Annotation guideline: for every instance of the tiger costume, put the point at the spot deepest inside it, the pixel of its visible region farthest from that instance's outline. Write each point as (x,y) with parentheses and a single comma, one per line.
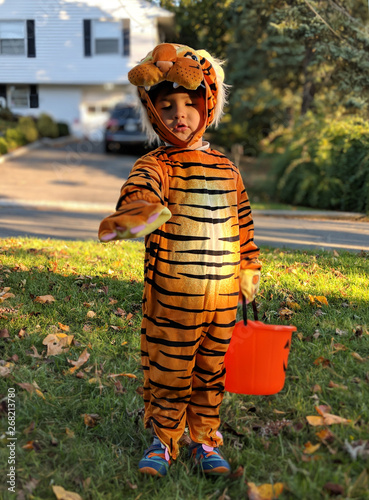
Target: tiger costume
(192,208)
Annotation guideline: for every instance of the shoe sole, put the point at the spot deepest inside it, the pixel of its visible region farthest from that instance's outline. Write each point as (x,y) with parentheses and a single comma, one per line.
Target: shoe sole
(217,470)
(150,471)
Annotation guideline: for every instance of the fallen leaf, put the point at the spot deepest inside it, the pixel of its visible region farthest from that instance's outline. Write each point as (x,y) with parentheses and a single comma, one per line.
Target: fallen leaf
(129,375)
(333,488)
(69,433)
(322,361)
(91,419)
(31,388)
(83,358)
(91,314)
(6,369)
(62,494)
(35,353)
(325,435)
(29,429)
(310,448)
(6,296)
(65,328)
(341,332)
(57,343)
(285,313)
(265,491)
(23,333)
(332,385)
(317,388)
(357,357)
(4,333)
(44,299)
(314,420)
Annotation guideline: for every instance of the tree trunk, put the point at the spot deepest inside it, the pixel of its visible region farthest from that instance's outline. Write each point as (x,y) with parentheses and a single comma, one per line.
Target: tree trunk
(309,88)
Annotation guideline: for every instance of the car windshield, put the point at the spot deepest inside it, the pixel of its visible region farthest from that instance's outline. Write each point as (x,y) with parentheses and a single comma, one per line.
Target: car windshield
(124,113)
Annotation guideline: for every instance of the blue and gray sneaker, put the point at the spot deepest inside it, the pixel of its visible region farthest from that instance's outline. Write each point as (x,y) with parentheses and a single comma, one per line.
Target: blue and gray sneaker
(156,460)
(209,459)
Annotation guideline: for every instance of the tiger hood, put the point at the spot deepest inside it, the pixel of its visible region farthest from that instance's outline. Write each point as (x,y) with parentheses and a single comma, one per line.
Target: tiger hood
(187,68)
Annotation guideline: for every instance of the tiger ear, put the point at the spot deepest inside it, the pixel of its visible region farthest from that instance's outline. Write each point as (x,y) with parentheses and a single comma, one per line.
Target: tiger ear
(217,67)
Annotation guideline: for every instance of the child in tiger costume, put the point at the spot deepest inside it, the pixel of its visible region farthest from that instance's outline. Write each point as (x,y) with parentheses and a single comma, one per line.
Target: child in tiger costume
(190,203)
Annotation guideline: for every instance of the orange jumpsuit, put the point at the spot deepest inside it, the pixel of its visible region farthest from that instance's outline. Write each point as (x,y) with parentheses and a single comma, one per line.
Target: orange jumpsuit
(191,290)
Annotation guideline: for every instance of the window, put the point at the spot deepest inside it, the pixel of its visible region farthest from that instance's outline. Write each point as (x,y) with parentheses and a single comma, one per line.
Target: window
(12,38)
(19,97)
(106,37)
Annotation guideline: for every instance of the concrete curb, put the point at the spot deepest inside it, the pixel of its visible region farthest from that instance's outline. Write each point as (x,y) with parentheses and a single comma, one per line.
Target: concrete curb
(312,214)
(46,141)
(62,206)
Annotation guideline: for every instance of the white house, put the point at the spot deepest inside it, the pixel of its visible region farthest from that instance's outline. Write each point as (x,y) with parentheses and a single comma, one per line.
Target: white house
(70,58)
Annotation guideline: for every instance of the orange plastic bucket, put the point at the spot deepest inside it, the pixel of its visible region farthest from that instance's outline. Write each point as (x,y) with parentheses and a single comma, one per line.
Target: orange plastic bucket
(256,360)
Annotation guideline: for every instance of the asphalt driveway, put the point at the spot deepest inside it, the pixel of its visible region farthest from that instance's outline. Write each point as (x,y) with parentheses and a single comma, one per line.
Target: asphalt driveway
(63,189)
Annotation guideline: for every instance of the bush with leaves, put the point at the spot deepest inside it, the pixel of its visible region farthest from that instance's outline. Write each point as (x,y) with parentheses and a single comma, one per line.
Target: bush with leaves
(46,126)
(323,163)
(14,138)
(3,146)
(27,126)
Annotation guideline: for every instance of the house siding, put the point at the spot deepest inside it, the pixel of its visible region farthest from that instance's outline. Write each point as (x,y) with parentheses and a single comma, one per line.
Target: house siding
(60,42)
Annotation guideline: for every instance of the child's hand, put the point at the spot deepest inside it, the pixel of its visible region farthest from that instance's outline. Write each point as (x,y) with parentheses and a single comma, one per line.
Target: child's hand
(133,220)
(249,283)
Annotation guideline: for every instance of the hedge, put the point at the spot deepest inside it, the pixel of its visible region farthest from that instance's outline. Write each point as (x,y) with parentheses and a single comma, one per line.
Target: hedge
(323,164)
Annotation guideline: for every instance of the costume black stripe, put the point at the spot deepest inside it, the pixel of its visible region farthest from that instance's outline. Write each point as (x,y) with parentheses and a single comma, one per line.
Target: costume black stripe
(163,368)
(169,387)
(159,273)
(210,277)
(169,323)
(185,309)
(169,408)
(210,192)
(205,220)
(204,207)
(213,253)
(201,177)
(163,291)
(197,263)
(230,239)
(179,356)
(180,237)
(172,343)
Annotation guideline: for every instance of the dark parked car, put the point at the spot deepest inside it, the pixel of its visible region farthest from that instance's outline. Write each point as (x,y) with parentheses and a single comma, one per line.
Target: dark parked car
(123,129)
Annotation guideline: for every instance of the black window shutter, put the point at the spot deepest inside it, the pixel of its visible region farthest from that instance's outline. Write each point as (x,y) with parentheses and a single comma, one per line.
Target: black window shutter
(126,37)
(31,38)
(3,91)
(33,96)
(87,36)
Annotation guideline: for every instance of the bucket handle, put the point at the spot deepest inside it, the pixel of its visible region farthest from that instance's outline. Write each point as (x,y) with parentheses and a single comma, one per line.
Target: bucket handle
(244,310)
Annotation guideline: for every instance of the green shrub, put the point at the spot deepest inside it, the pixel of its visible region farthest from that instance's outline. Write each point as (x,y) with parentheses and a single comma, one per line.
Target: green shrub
(63,129)
(15,138)
(3,146)
(46,126)
(28,128)
(7,115)
(323,163)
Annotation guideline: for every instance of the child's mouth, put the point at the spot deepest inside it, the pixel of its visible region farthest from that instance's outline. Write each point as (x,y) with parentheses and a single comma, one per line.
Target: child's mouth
(180,128)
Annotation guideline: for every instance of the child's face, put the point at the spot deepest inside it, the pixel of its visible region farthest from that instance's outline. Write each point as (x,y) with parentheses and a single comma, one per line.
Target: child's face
(181,111)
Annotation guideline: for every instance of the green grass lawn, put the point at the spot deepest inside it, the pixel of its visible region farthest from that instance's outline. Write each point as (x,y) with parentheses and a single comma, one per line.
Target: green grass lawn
(82,429)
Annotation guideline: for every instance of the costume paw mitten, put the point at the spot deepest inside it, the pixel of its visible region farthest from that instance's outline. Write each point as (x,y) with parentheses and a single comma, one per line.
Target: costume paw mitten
(133,220)
(249,283)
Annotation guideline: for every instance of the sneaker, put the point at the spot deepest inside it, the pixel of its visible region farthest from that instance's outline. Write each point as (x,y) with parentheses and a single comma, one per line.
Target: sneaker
(156,460)
(210,460)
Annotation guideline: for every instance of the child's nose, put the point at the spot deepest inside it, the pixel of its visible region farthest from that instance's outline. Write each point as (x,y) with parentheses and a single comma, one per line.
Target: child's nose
(180,112)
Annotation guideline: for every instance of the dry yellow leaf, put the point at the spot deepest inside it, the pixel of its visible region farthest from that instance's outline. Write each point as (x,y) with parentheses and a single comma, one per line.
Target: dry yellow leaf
(44,299)
(6,369)
(310,448)
(62,494)
(65,328)
(69,433)
(265,491)
(91,314)
(333,385)
(321,299)
(57,343)
(129,375)
(357,356)
(6,296)
(80,361)
(314,420)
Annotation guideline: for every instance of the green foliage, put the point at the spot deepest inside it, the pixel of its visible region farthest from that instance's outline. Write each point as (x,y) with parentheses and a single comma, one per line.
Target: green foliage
(264,436)
(3,146)
(63,129)
(46,126)
(15,138)
(323,164)
(28,128)
(7,115)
